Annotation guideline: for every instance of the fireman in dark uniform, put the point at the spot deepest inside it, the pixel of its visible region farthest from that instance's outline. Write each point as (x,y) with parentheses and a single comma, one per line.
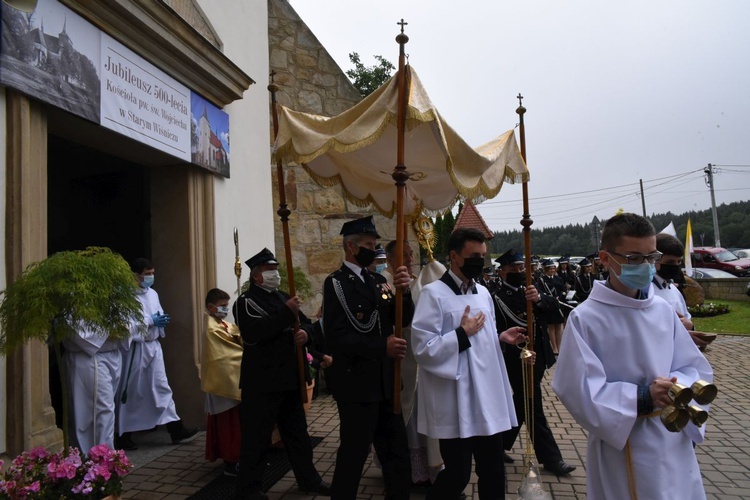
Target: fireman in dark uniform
(269,379)
(510,310)
(584,280)
(358,321)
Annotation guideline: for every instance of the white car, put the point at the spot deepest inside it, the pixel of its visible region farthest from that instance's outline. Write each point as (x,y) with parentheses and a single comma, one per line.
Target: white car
(742,253)
(704,272)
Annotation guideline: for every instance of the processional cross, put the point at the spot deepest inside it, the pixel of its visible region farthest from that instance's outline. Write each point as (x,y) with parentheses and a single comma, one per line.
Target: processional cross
(402,23)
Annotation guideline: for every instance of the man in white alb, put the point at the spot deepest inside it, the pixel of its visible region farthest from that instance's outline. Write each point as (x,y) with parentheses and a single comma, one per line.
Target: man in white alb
(465,399)
(622,351)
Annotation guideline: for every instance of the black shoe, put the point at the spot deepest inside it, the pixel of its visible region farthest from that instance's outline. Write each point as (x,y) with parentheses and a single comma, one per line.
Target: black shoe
(560,468)
(507,458)
(322,488)
(124,442)
(182,435)
(231,469)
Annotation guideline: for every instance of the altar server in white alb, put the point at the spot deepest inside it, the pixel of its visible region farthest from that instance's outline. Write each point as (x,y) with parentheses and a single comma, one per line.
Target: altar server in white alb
(669,277)
(622,351)
(145,398)
(93,364)
(465,399)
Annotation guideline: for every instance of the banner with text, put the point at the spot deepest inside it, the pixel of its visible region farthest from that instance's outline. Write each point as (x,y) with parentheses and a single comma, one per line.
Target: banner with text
(59,58)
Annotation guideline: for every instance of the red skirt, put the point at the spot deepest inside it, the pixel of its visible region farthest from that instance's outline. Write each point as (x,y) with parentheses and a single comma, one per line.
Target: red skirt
(223,436)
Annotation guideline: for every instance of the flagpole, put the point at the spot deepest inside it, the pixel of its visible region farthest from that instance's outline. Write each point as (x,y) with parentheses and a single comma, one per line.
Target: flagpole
(400,176)
(687,258)
(237,261)
(284,213)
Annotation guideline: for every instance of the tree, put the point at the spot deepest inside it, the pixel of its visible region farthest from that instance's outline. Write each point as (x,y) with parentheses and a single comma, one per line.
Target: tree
(367,79)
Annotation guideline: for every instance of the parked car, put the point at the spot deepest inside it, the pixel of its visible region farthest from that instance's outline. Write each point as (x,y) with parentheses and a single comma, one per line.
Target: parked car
(704,272)
(742,253)
(722,259)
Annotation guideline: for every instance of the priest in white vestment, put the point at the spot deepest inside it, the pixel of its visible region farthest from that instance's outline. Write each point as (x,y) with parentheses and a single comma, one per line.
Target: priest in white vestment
(622,351)
(464,398)
(92,364)
(424,451)
(669,277)
(144,397)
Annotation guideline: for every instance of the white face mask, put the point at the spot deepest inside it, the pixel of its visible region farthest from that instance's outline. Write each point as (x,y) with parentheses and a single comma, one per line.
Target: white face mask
(221,312)
(271,279)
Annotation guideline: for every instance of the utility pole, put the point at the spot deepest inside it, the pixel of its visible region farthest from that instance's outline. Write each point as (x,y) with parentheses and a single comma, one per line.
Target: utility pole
(643,199)
(709,171)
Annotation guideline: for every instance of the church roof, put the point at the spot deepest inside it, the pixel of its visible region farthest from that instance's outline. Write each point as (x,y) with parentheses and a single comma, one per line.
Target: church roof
(470,217)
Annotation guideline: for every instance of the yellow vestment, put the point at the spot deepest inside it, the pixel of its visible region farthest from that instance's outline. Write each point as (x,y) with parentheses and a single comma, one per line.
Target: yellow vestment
(221,359)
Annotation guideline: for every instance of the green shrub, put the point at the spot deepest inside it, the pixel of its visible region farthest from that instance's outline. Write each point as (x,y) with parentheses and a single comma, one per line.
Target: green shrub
(708,309)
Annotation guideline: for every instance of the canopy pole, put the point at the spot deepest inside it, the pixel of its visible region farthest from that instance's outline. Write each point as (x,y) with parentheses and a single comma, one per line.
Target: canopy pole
(400,176)
(526,222)
(284,213)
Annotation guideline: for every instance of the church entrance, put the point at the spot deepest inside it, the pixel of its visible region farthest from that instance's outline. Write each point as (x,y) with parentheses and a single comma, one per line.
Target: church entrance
(106,190)
(95,199)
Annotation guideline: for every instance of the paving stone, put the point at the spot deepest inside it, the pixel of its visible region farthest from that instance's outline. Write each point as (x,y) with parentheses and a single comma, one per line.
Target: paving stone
(182,470)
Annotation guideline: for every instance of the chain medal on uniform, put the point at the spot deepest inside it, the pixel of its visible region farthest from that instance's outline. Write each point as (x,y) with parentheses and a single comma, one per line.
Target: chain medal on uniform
(508,313)
(356,323)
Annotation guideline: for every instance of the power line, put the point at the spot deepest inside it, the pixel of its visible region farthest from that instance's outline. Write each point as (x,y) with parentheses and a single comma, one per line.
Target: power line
(596,190)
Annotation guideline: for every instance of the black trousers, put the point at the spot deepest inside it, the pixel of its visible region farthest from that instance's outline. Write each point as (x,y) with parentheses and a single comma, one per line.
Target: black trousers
(362,424)
(488,455)
(258,413)
(545,446)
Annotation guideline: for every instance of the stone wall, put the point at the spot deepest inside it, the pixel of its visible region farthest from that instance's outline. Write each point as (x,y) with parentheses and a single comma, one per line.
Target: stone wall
(311,81)
(725,289)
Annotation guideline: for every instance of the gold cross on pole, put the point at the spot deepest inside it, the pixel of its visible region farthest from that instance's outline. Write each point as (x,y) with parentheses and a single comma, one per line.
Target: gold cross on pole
(402,23)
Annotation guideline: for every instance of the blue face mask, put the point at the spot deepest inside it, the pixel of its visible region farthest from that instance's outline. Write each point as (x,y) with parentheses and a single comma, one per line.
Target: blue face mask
(148,281)
(636,276)
(380,268)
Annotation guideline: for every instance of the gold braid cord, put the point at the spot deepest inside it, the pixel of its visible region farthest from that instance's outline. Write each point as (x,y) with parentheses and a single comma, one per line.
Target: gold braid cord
(531,487)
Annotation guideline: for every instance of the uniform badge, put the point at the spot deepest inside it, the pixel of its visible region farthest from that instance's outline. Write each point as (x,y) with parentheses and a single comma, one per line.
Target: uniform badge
(386,290)
(360,316)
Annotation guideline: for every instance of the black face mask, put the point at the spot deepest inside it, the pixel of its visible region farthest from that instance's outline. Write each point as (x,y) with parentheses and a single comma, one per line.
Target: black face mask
(365,257)
(515,279)
(473,267)
(671,272)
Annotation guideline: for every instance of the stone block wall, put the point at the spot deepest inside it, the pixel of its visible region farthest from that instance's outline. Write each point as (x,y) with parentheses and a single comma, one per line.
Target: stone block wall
(311,81)
(725,289)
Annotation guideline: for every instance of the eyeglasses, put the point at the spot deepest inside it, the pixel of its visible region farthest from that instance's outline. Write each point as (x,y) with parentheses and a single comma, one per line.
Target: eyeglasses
(651,258)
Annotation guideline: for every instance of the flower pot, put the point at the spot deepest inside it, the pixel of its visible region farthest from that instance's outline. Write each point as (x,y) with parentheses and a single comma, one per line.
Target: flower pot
(310,388)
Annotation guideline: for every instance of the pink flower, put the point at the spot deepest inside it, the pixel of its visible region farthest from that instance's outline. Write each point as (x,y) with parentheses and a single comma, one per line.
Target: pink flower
(39,452)
(309,358)
(99,452)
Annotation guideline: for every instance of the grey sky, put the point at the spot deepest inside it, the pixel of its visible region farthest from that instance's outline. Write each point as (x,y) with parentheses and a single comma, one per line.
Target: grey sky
(615,92)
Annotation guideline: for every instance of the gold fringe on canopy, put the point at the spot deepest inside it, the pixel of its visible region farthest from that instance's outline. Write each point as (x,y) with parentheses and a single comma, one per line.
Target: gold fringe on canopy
(357,149)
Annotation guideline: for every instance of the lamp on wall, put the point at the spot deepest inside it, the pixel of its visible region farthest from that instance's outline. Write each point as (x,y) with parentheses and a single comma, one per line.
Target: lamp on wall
(22,5)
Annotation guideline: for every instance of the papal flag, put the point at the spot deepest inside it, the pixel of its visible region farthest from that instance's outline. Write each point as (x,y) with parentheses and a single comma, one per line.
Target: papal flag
(688,250)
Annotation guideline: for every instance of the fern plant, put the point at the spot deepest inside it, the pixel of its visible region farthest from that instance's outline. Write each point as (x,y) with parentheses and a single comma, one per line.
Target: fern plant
(53,297)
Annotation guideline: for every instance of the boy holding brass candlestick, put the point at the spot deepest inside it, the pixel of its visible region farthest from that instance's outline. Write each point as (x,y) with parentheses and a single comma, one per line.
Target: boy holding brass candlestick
(625,357)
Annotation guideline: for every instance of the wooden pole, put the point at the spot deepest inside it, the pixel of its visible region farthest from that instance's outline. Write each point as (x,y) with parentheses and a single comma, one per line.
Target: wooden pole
(400,176)
(526,222)
(284,213)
